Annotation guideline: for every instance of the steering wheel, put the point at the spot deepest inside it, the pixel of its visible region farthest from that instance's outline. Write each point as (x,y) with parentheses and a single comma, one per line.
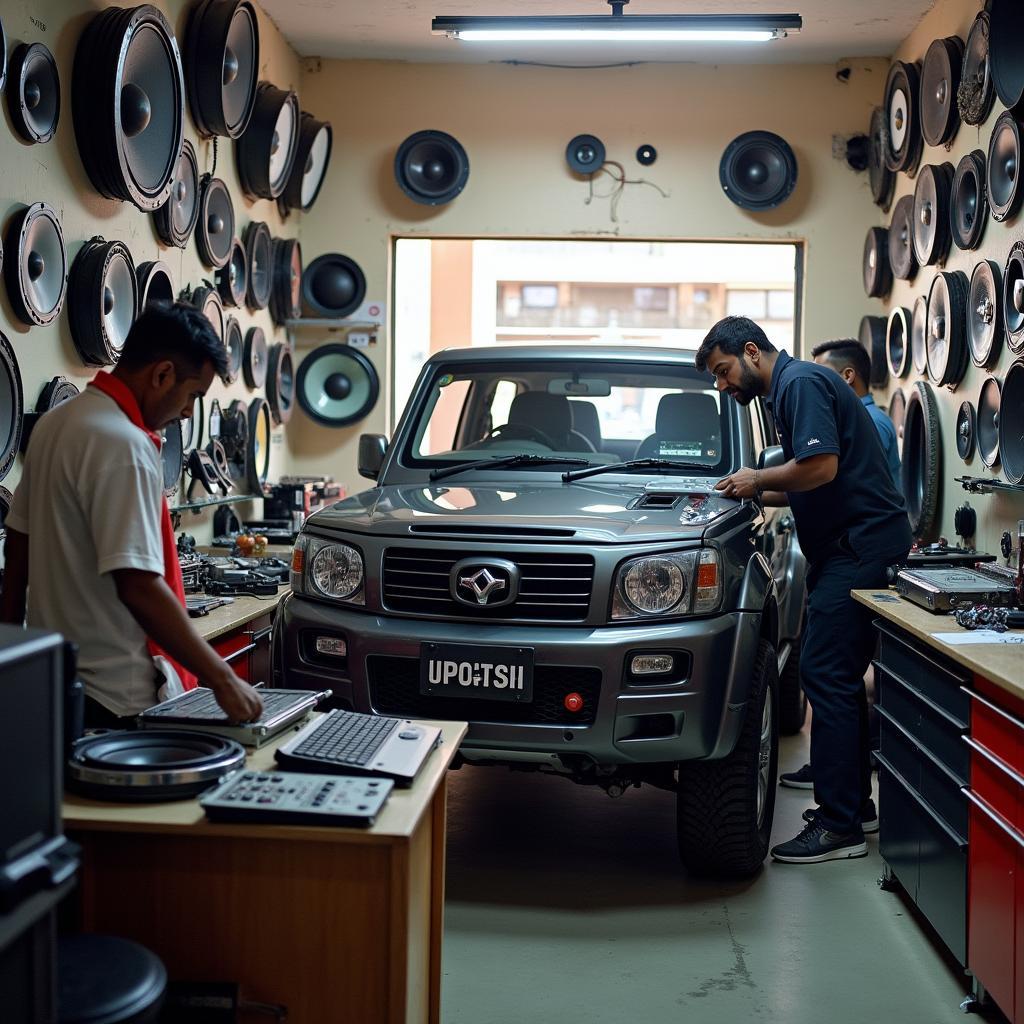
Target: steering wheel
(526,431)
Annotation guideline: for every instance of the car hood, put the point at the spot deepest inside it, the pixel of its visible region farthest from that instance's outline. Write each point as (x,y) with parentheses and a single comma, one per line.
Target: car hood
(660,508)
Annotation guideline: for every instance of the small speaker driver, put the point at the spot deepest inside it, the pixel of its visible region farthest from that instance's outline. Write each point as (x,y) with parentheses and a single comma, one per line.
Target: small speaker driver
(948,353)
(232,277)
(875,263)
(987,428)
(932,193)
(286,280)
(940,81)
(902,257)
(266,150)
(585,154)
(985,314)
(207,301)
(969,201)
(976,96)
(254,357)
(646,155)
(36,264)
(176,219)
(431,167)
(311,160)
(33,92)
(337,385)
(758,171)
(215,230)
(903,119)
(235,345)
(259,258)
(1004,167)
(280,383)
(333,286)
(966,429)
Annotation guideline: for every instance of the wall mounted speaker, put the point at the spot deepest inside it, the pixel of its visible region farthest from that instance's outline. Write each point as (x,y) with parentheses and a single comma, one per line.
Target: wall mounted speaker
(646,155)
(985,314)
(947,323)
(235,345)
(966,429)
(176,219)
(257,463)
(988,421)
(55,392)
(155,284)
(286,280)
(128,104)
(585,154)
(902,258)
(1011,424)
(1007,30)
(254,357)
(103,300)
(333,286)
(3,54)
(897,341)
(222,44)
(932,193)
(919,335)
(871,335)
(234,436)
(758,171)
(33,92)
(266,151)
(1004,165)
(172,457)
(12,406)
(969,201)
(1013,298)
(921,468)
(431,167)
(882,180)
(207,301)
(337,385)
(259,264)
(36,264)
(232,278)
(976,95)
(940,82)
(875,267)
(903,121)
(215,227)
(280,383)
(192,428)
(897,413)
(310,167)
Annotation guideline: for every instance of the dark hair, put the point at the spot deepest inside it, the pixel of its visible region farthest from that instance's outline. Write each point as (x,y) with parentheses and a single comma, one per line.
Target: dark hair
(175,331)
(730,335)
(846,352)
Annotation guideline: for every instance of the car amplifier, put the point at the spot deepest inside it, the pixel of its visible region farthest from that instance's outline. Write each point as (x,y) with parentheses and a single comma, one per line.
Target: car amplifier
(943,590)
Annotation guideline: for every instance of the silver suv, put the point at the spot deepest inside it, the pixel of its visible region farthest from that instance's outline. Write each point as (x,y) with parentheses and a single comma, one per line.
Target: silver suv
(545,556)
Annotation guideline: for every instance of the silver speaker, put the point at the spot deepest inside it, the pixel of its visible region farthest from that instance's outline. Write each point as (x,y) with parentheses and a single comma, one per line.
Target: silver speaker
(103,299)
(337,385)
(280,383)
(36,264)
(259,260)
(176,219)
(235,345)
(310,167)
(231,278)
(207,301)
(33,92)
(266,151)
(254,358)
(215,230)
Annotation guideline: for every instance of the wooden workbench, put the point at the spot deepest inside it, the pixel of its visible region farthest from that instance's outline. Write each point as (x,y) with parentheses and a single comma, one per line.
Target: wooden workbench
(229,617)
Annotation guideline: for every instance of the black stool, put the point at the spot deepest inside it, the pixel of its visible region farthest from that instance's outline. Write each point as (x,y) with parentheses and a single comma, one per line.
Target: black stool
(105,980)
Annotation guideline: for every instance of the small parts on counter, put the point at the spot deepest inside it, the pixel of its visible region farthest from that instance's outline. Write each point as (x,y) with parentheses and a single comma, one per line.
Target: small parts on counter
(983,616)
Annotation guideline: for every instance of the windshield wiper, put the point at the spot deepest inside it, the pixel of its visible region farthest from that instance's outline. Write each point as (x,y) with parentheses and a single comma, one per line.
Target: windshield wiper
(618,467)
(508,460)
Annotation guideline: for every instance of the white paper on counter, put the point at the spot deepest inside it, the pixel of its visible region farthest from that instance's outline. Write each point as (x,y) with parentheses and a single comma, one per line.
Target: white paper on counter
(979,636)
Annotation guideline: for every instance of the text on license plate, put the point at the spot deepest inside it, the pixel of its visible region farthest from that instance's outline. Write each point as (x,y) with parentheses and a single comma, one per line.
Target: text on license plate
(466,671)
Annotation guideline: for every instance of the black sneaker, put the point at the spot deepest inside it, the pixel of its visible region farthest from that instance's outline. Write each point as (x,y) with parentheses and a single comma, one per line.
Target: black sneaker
(816,844)
(868,817)
(803,779)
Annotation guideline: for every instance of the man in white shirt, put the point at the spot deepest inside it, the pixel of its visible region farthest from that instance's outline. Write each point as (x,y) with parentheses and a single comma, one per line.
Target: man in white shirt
(90,547)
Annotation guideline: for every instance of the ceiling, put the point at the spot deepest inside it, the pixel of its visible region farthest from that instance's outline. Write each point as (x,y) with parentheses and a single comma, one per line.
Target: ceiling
(400,30)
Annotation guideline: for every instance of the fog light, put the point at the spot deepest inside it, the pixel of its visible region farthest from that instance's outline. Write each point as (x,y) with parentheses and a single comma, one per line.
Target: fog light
(331,645)
(651,664)
(573,702)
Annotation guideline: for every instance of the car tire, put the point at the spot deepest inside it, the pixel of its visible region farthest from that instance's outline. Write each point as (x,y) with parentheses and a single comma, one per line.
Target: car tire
(724,808)
(792,700)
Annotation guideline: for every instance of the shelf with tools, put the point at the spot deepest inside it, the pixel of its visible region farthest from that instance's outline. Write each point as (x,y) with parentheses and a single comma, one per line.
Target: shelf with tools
(226,499)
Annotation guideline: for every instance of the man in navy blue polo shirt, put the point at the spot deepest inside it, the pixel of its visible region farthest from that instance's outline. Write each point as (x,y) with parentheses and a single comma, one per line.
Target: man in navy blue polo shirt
(852,523)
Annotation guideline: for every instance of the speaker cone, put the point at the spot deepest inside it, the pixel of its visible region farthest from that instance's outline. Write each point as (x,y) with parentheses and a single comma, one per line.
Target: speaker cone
(897,413)
(333,286)
(919,335)
(128,104)
(266,151)
(257,463)
(55,392)
(947,318)
(758,171)
(223,48)
(33,92)
(232,278)
(902,258)
(280,383)
(922,460)
(172,457)
(1011,424)
(931,213)
(940,81)
(254,357)
(875,263)
(903,122)
(431,167)
(310,167)
(103,299)
(259,263)
(234,436)
(12,406)
(976,95)
(585,154)
(1005,59)
(36,264)
(286,280)
(969,201)
(1013,298)
(985,313)
(872,337)
(155,284)
(236,348)
(176,219)
(337,385)
(883,181)
(215,229)
(207,301)
(988,421)
(966,426)
(897,341)
(1004,155)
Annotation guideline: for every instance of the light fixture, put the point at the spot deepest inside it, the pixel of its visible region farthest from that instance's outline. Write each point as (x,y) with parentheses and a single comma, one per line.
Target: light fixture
(639,28)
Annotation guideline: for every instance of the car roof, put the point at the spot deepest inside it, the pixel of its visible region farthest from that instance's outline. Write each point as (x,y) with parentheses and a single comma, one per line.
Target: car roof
(555,353)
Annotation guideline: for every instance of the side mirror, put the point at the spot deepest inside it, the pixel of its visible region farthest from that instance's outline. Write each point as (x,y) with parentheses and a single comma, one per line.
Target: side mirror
(371,454)
(770,458)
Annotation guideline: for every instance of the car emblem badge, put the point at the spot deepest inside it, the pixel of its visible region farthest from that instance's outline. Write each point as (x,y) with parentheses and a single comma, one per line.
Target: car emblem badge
(483,584)
(491,583)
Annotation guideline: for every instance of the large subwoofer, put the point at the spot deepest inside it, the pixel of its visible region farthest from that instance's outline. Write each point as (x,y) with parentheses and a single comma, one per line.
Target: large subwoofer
(881,179)
(919,335)
(155,284)
(988,420)
(947,328)
(55,392)
(128,100)
(758,170)
(232,278)
(337,385)
(254,357)
(976,96)
(207,301)
(176,219)
(311,160)
(286,280)
(12,406)
(36,264)
(940,80)
(333,286)
(902,257)
(33,92)
(215,228)
(259,259)
(1013,298)
(903,118)
(222,44)
(1011,424)
(931,213)
(103,299)
(872,337)
(266,151)
(280,383)
(969,201)
(431,167)
(922,461)
(897,341)
(985,314)
(1004,167)
(875,267)
(1005,55)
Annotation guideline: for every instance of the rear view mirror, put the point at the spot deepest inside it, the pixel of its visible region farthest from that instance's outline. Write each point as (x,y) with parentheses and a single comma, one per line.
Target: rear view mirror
(589,387)
(771,458)
(371,454)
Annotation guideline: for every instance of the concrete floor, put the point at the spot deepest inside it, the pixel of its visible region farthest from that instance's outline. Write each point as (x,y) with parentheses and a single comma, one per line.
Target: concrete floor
(567,906)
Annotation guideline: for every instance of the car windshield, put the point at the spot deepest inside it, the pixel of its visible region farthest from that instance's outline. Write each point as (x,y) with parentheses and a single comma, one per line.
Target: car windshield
(601,413)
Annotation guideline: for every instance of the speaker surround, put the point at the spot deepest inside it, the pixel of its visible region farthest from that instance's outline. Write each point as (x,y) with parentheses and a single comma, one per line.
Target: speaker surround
(55,392)
(176,219)
(33,92)
(1006,31)
(932,235)
(940,83)
(286,280)
(988,421)
(215,229)
(235,345)
(1011,424)
(921,467)
(155,284)
(968,213)
(337,385)
(872,336)
(903,140)
(12,406)
(585,154)
(902,258)
(966,430)
(758,171)
(254,357)
(232,278)
(1013,298)
(919,335)
(259,258)
(1004,167)
(207,301)
(266,150)
(976,95)
(280,383)
(36,264)
(333,286)
(985,314)
(882,180)
(431,167)
(875,267)
(103,299)
(897,341)
(947,323)
(312,158)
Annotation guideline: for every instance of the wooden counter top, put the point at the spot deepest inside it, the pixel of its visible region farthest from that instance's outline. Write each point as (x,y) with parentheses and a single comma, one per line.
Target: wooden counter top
(229,617)
(1001,665)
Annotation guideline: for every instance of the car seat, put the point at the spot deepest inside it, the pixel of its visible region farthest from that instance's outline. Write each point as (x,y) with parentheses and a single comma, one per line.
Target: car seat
(683,416)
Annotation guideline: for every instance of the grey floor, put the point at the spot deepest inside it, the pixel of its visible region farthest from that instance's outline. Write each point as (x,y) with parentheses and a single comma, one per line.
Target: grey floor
(567,906)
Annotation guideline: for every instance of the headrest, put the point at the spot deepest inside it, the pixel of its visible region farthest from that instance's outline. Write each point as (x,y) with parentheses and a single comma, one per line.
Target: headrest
(585,419)
(687,414)
(545,411)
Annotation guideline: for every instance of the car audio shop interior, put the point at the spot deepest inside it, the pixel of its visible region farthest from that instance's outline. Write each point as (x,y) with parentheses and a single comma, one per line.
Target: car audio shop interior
(511,511)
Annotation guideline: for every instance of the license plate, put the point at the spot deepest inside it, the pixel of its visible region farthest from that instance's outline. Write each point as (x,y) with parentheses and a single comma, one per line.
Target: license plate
(478,672)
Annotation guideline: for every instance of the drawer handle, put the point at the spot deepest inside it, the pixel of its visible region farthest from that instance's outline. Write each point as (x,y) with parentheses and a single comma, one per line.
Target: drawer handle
(919,800)
(260,634)
(994,707)
(919,746)
(923,698)
(996,818)
(993,759)
(237,654)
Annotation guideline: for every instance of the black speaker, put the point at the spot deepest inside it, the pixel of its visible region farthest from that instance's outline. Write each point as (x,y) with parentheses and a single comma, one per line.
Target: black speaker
(128,104)
(976,96)
(871,334)
(966,429)
(222,44)
(882,180)
(875,267)
(1004,166)
(969,201)
(337,385)
(286,280)
(940,82)
(280,383)
(254,357)
(259,260)
(311,160)
(919,335)
(36,264)
(155,284)
(234,436)
(932,193)
(902,257)
(758,171)
(431,167)
(903,119)
(1006,60)
(235,345)
(585,154)
(55,392)
(985,314)
(176,219)
(215,228)
(921,466)
(207,301)
(172,457)
(266,151)
(897,413)
(646,155)
(897,341)
(232,277)
(103,300)
(333,286)
(948,352)
(257,463)
(988,421)
(33,92)
(1013,298)
(12,406)
(1011,424)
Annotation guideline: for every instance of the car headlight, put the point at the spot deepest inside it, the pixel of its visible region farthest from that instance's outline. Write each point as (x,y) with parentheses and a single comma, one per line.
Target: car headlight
(334,571)
(676,583)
